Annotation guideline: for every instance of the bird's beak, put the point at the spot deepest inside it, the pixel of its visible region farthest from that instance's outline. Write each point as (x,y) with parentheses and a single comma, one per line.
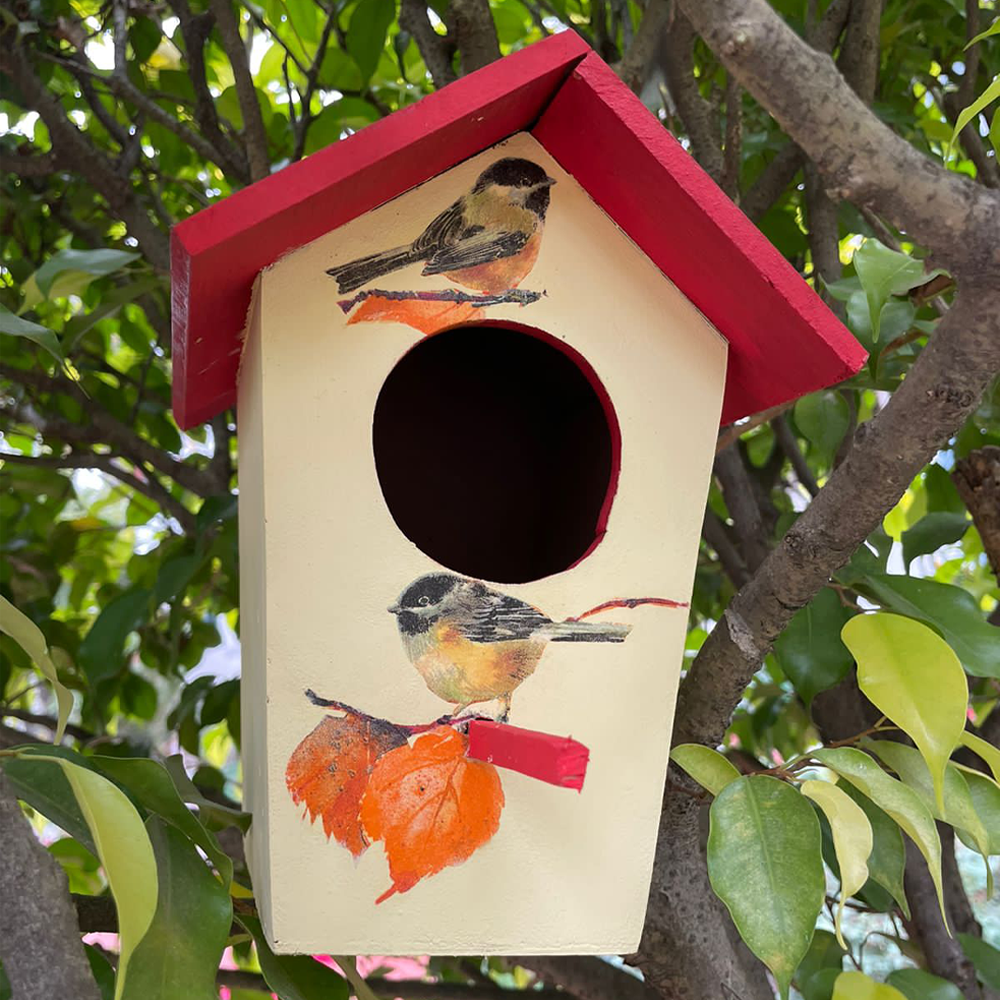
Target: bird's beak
(394,609)
(548,182)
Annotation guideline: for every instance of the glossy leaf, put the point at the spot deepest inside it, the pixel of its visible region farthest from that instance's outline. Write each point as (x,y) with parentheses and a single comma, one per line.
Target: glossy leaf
(857,986)
(989,753)
(852,839)
(822,964)
(912,675)
(707,766)
(993,29)
(933,530)
(959,809)
(810,650)
(824,418)
(949,610)
(901,803)
(915,984)
(100,652)
(765,864)
(29,637)
(887,862)
(985,957)
(179,956)
(123,847)
(149,782)
(980,104)
(366,33)
(45,338)
(985,795)
(68,272)
(294,977)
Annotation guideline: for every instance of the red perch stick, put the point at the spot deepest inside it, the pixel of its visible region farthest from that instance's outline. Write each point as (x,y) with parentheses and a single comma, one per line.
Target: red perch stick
(558,760)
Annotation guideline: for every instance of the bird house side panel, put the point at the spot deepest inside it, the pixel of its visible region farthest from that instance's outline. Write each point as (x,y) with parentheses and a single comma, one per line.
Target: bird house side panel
(383,834)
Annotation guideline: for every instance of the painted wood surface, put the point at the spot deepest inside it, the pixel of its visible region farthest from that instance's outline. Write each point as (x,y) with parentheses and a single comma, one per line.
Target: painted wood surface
(336,583)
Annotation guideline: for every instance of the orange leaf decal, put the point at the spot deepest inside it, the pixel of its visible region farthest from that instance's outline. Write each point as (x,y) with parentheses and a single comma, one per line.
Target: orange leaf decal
(329,771)
(431,806)
(426,316)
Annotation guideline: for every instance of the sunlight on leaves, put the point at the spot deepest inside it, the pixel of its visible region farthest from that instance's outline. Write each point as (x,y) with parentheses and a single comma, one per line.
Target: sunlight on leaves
(707,766)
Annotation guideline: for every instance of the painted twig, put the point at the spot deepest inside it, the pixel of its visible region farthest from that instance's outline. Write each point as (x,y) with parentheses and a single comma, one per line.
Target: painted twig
(514,296)
(631,602)
(340,706)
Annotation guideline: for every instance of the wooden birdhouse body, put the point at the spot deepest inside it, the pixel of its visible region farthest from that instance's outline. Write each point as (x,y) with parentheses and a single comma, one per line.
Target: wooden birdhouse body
(565,872)
(484,348)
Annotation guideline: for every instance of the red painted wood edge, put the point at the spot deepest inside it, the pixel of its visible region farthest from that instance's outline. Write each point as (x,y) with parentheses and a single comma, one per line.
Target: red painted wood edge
(558,760)
(783,340)
(217,254)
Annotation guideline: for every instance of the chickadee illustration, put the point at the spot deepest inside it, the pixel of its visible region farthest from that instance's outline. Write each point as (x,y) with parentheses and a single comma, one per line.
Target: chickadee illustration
(472,644)
(487,240)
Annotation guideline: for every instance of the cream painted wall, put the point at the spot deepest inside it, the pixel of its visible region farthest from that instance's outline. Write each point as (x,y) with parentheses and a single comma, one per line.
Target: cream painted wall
(566,872)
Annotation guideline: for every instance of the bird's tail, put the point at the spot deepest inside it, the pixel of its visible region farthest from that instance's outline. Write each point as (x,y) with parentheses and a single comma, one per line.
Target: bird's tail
(359,272)
(586,632)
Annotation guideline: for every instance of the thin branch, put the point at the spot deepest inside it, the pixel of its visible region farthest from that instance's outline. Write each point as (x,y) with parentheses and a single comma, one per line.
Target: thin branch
(733,432)
(716,535)
(24,163)
(730,179)
(738,492)
(772,182)
(639,56)
(253,121)
(790,446)
(301,126)
(516,296)
(437,50)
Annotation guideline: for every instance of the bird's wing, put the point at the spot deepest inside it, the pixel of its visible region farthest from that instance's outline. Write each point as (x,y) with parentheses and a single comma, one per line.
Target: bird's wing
(500,618)
(476,246)
(444,230)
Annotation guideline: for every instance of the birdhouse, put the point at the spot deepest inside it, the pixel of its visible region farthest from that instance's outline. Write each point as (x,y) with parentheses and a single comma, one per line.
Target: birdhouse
(480,352)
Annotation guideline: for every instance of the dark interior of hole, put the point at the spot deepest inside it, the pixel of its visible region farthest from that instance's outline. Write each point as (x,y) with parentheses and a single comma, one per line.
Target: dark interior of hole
(494,453)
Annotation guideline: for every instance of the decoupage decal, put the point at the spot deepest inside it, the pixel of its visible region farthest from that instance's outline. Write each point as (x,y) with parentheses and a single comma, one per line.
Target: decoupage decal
(416,788)
(488,240)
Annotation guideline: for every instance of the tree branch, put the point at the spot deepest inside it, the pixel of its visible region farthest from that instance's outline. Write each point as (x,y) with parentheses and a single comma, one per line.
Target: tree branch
(470,23)
(437,50)
(39,938)
(790,446)
(253,122)
(635,65)
(977,479)
(738,492)
(861,158)
(586,978)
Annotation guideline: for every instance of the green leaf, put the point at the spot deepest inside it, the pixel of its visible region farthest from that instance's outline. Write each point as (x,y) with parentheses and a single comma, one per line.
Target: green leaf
(150,783)
(41,335)
(884,273)
(29,637)
(43,785)
(949,610)
(993,29)
(915,984)
(349,965)
(179,957)
(959,809)
(707,766)
(901,803)
(207,809)
(989,753)
(857,986)
(765,864)
(984,957)
(366,33)
(100,652)
(823,417)
(985,795)
(825,956)
(294,977)
(980,104)
(912,675)
(175,574)
(123,847)
(69,272)
(103,973)
(810,651)
(852,839)
(931,532)
(887,861)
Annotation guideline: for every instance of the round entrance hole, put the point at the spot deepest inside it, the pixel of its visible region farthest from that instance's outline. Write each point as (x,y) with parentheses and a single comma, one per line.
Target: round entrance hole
(497,452)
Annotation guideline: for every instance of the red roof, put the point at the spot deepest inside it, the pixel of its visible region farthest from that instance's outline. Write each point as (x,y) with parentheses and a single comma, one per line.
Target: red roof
(784,341)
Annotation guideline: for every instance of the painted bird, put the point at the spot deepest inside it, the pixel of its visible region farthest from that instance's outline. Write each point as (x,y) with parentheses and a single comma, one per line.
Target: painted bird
(472,644)
(487,240)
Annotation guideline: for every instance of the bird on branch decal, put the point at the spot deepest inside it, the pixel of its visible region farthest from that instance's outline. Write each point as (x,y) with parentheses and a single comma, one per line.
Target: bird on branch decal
(472,644)
(487,240)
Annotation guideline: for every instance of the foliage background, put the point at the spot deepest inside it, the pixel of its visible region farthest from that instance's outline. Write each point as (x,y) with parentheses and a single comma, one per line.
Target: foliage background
(119,532)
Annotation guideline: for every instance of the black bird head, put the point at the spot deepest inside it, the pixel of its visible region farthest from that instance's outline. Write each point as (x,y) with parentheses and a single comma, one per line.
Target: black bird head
(526,178)
(420,604)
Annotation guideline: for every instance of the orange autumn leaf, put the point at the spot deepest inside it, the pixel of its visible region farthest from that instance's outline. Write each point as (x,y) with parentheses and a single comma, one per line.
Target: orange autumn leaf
(431,806)
(330,768)
(426,316)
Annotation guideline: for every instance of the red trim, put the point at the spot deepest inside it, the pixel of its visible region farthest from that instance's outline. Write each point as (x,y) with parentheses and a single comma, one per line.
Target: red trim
(558,760)
(217,254)
(784,342)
